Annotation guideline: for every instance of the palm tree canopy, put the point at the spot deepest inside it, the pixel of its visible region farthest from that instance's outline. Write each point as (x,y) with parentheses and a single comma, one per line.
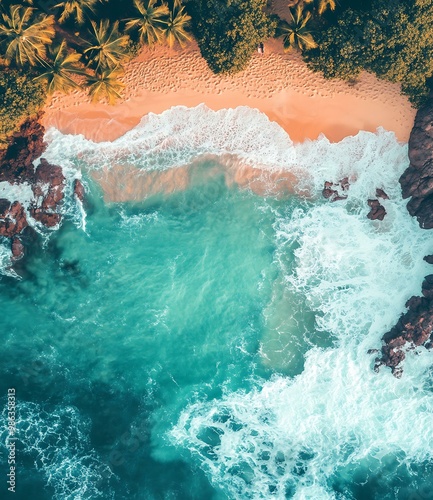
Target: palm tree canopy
(105,85)
(176,27)
(59,68)
(323,5)
(107,47)
(76,9)
(25,35)
(296,33)
(151,22)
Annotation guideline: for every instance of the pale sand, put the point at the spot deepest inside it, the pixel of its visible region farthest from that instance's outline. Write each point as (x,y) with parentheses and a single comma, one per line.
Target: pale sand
(280,85)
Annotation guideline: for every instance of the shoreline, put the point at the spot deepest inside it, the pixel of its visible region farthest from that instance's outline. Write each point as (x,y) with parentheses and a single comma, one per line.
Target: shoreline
(280,85)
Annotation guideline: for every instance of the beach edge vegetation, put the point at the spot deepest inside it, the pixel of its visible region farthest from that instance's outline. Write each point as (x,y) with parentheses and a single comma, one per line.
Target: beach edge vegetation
(85,44)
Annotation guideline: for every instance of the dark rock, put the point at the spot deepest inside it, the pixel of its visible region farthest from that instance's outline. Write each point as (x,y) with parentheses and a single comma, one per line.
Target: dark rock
(48,219)
(5,205)
(338,198)
(12,218)
(429,259)
(414,328)
(377,211)
(427,287)
(46,173)
(329,193)
(380,193)
(53,198)
(344,183)
(48,184)
(417,180)
(79,190)
(17,248)
(414,302)
(333,194)
(372,351)
(422,209)
(24,146)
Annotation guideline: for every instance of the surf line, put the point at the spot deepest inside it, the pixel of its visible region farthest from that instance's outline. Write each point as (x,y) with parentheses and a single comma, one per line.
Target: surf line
(10,441)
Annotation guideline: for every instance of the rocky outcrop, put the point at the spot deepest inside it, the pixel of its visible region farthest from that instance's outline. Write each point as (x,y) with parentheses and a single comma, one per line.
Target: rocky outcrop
(413,329)
(47,182)
(79,190)
(47,188)
(17,248)
(417,180)
(377,211)
(12,218)
(336,191)
(24,147)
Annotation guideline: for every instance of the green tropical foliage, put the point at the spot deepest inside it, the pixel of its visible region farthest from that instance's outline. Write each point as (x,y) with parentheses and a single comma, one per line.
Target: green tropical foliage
(106,47)
(228,32)
(105,85)
(151,22)
(395,41)
(59,68)
(176,27)
(321,6)
(76,9)
(24,35)
(20,97)
(296,33)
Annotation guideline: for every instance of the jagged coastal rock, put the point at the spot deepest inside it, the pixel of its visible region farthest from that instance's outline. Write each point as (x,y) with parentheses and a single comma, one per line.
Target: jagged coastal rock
(417,180)
(12,218)
(415,327)
(24,146)
(377,211)
(47,183)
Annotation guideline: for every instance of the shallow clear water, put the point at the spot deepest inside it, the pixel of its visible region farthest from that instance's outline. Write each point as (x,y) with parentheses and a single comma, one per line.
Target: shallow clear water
(210,342)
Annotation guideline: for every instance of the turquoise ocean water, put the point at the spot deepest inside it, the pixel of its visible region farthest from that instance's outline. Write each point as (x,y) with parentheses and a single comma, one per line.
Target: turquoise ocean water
(198,336)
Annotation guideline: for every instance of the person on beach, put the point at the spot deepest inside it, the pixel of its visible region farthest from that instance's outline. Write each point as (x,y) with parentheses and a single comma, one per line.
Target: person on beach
(261,48)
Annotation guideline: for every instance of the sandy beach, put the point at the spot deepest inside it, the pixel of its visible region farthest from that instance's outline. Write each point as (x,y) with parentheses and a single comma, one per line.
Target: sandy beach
(278,84)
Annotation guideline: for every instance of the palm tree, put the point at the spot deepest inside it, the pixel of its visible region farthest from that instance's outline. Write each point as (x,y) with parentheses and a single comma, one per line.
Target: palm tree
(176,25)
(150,24)
(76,9)
(296,33)
(25,35)
(105,85)
(107,47)
(59,68)
(323,5)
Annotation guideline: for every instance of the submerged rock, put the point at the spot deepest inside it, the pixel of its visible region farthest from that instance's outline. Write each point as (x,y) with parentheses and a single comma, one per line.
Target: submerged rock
(17,248)
(79,190)
(380,193)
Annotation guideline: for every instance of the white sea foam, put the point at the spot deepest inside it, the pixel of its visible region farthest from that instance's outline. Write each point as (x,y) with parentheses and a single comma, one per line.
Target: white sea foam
(57,439)
(178,136)
(289,436)
(71,208)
